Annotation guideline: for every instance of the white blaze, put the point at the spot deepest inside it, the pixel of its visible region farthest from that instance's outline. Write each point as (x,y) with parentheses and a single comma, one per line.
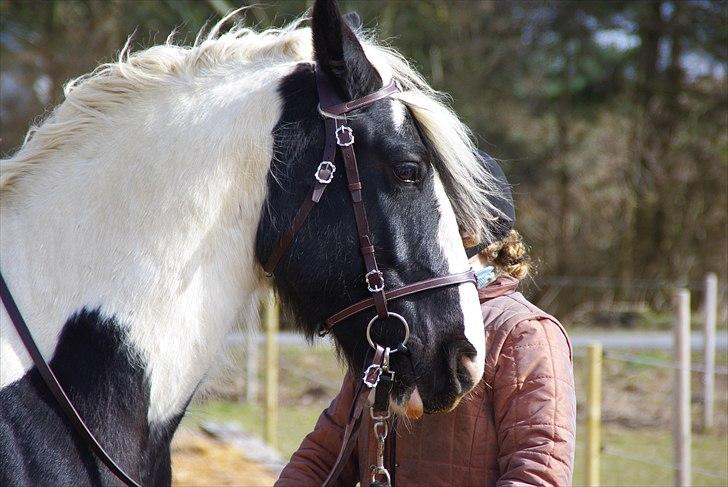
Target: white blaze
(399,111)
(453,250)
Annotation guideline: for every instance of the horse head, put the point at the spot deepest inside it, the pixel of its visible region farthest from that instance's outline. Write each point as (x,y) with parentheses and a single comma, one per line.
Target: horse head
(416,165)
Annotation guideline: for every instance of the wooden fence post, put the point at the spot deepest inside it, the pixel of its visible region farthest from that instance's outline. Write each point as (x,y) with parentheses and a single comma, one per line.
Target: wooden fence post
(710,308)
(593,414)
(681,390)
(251,366)
(271,318)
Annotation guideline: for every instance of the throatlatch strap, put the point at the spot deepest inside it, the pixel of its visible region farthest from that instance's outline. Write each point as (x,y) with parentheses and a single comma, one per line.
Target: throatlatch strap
(55,387)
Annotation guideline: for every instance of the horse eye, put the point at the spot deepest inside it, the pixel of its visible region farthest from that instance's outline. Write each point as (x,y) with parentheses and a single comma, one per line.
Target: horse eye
(407,172)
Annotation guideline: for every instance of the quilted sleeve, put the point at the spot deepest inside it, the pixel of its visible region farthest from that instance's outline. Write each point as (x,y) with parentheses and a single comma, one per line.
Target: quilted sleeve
(312,462)
(535,406)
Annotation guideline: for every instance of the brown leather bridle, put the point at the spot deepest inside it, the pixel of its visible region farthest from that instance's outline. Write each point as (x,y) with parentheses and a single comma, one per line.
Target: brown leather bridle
(340,136)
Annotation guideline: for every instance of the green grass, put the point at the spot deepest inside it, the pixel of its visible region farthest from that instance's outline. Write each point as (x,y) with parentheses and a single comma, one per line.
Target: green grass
(631,392)
(294,422)
(709,453)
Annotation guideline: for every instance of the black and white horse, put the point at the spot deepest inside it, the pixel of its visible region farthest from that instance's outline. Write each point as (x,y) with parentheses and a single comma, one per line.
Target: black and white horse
(136,217)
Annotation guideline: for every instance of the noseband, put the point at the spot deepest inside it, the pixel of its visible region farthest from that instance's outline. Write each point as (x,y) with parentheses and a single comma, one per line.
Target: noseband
(377,381)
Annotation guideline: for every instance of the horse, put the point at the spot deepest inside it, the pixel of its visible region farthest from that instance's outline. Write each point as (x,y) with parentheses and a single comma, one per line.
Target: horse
(137,217)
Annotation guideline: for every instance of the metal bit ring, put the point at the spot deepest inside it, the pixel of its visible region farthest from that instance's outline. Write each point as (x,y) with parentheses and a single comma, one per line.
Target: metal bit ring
(390,315)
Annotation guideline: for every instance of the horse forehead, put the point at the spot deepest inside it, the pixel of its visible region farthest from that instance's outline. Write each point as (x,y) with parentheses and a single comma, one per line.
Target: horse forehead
(399,114)
(388,120)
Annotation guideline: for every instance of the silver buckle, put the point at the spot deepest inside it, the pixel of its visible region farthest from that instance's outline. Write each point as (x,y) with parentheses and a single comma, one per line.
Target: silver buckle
(372,384)
(380,471)
(371,273)
(343,129)
(325,165)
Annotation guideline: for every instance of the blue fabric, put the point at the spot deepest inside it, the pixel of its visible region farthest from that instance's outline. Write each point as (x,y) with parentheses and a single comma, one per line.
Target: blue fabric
(485,276)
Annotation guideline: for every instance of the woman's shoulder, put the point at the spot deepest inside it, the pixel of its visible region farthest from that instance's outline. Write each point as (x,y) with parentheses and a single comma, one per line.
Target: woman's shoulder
(511,318)
(507,309)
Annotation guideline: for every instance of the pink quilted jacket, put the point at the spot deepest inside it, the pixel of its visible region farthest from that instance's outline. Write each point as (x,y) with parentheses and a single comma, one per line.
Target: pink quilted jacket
(515,429)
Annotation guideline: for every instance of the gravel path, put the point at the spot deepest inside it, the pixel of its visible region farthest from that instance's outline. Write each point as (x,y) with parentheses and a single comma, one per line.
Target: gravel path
(199,460)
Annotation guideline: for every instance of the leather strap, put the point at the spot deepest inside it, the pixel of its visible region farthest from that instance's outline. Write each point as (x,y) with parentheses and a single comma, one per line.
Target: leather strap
(400,292)
(331,104)
(352,428)
(374,276)
(334,106)
(342,108)
(327,97)
(55,387)
(323,173)
(393,452)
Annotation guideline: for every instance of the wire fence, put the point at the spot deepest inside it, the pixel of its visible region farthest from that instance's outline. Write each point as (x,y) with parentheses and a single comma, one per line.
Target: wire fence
(638,404)
(668,381)
(656,462)
(634,454)
(637,359)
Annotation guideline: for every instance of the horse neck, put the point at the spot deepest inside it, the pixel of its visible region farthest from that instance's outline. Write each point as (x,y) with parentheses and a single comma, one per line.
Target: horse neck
(151,220)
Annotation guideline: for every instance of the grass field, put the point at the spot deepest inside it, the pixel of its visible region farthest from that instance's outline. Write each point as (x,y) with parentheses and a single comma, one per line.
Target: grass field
(637,402)
(294,422)
(710,452)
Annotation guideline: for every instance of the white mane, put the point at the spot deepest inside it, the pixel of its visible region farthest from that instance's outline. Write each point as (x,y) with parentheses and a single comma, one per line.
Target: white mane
(94,96)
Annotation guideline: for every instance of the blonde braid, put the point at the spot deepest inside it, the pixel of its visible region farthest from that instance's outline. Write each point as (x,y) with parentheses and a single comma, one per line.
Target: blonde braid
(509,255)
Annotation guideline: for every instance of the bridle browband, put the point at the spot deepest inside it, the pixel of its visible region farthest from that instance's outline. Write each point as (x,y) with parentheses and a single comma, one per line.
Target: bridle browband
(378,379)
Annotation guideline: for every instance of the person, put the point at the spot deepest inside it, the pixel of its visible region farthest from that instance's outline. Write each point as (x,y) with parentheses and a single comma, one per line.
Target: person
(517,426)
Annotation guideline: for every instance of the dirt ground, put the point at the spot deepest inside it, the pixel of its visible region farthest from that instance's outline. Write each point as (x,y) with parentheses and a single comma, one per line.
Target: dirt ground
(199,460)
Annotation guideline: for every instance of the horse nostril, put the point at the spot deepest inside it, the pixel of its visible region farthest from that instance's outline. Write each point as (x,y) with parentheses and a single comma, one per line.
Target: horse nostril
(463,371)
(468,371)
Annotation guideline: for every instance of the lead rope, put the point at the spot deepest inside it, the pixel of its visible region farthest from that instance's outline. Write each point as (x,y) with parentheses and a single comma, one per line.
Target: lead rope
(380,413)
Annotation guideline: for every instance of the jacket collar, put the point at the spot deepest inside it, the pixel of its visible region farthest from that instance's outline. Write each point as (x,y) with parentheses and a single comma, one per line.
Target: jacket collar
(501,286)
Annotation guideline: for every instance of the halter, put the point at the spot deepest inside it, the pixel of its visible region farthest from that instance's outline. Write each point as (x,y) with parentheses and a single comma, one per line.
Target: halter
(378,378)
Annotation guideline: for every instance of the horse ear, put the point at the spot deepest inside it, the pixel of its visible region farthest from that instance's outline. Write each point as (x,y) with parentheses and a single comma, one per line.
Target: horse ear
(353,19)
(339,53)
